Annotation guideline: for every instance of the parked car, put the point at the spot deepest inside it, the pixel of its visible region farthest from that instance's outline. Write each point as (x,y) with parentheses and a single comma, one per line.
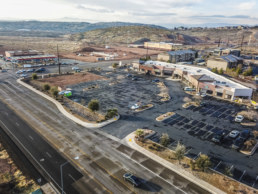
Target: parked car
(24,75)
(233,134)
(129,75)
(30,70)
(218,138)
(132,179)
(20,71)
(239,118)
(203,95)
(155,80)
(245,134)
(75,68)
(238,143)
(134,79)
(135,106)
(42,69)
(4,70)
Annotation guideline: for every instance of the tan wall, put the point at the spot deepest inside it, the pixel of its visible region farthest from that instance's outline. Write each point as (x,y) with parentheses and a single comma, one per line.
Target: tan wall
(157,45)
(219,64)
(164,57)
(193,81)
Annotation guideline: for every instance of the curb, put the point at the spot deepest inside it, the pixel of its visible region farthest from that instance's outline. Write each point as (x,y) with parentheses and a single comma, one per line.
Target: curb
(65,113)
(129,140)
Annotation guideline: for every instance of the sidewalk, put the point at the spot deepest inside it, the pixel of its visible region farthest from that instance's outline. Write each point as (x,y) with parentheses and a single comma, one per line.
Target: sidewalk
(67,114)
(129,140)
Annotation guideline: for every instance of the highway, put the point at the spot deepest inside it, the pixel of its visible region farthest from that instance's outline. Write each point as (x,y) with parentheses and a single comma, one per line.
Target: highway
(103,159)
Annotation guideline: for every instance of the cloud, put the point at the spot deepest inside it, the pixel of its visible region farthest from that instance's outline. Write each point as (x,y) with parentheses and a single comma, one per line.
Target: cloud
(100,10)
(147,13)
(246,5)
(222,16)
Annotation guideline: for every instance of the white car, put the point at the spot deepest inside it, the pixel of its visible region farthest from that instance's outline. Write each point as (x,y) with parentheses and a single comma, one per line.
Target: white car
(135,106)
(24,75)
(203,95)
(75,68)
(233,134)
(239,118)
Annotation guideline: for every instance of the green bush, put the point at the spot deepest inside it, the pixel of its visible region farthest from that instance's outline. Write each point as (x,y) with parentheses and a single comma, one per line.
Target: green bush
(93,105)
(111,113)
(203,162)
(248,72)
(221,72)
(164,139)
(34,76)
(139,132)
(46,87)
(180,152)
(115,65)
(54,91)
(215,70)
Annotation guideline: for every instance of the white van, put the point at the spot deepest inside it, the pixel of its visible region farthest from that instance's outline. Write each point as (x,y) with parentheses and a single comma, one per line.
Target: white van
(189,89)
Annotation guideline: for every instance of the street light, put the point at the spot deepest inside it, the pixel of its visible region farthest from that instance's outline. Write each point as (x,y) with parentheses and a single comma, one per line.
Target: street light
(61,170)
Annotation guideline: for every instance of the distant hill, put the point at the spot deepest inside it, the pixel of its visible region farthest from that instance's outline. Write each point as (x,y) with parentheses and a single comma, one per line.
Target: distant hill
(133,34)
(61,27)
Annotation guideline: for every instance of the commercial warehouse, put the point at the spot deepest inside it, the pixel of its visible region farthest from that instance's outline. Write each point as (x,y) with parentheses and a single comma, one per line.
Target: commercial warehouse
(201,79)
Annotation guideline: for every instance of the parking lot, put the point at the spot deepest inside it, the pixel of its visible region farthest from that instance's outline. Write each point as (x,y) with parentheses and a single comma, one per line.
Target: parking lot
(119,91)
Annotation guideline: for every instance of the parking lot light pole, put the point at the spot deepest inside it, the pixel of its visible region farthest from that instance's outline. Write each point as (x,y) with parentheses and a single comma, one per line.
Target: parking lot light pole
(61,170)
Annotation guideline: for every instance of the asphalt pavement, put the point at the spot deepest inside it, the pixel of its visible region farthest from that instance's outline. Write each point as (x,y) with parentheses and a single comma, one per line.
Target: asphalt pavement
(103,159)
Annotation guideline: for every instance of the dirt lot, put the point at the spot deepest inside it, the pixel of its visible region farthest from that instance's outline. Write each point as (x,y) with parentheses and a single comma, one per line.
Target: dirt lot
(122,52)
(65,80)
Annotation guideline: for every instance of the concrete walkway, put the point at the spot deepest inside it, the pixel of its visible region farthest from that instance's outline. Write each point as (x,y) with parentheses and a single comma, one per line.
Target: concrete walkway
(67,114)
(129,140)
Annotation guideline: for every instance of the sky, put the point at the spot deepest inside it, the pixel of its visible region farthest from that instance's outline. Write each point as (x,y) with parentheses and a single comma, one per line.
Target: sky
(168,13)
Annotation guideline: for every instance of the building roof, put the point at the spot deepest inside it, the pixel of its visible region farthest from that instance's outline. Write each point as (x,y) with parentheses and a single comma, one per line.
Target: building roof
(231,58)
(181,52)
(220,80)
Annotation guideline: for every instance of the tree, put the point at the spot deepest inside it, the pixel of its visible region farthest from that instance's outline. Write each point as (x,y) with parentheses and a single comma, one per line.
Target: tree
(215,70)
(93,105)
(164,139)
(115,65)
(139,133)
(180,152)
(34,76)
(221,71)
(203,162)
(54,91)
(46,87)
(248,72)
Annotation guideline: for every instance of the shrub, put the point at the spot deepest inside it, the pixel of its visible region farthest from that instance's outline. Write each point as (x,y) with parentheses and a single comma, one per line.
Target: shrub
(180,152)
(164,139)
(221,71)
(139,133)
(34,76)
(192,164)
(115,65)
(54,91)
(46,87)
(215,70)
(93,105)
(248,72)
(203,162)
(111,113)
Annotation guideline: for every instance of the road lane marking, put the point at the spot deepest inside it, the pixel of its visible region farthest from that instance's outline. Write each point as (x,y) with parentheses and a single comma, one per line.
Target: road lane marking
(17,124)
(30,154)
(71,177)
(49,155)
(31,137)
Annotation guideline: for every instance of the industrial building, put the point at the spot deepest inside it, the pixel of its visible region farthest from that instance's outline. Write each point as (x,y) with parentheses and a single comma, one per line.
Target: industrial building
(22,53)
(32,59)
(201,79)
(161,45)
(178,56)
(224,62)
(226,51)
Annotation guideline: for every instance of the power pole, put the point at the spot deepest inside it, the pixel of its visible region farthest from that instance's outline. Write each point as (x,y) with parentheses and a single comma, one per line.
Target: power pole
(219,42)
(58,63)
(242,42)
